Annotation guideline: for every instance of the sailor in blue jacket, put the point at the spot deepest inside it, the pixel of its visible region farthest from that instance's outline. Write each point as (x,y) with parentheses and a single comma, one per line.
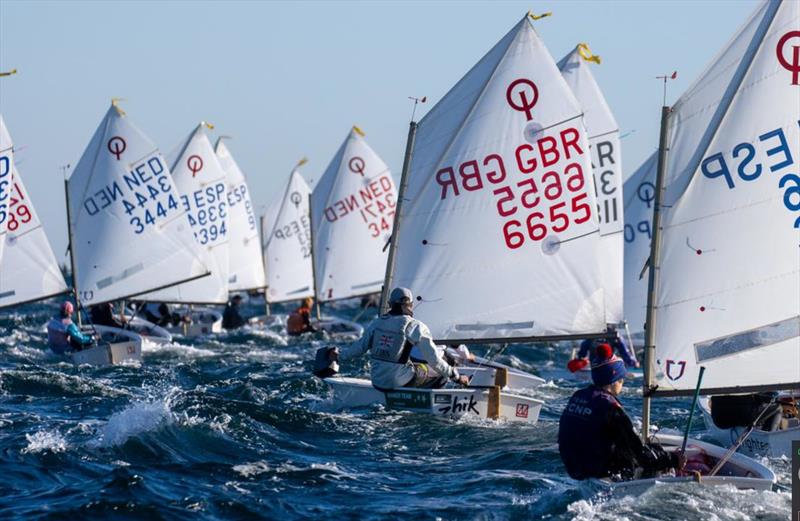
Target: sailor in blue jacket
(62,333)
(596,438)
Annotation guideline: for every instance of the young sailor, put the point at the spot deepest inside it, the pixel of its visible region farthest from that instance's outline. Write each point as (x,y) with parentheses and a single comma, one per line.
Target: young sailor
(161,315)
(62,333)
(103,315)
(390,339)
(299,321)
(596,438)
(612,339)
(231,319)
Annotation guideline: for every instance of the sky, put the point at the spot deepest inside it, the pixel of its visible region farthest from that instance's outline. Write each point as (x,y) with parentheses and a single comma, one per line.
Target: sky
(288,79)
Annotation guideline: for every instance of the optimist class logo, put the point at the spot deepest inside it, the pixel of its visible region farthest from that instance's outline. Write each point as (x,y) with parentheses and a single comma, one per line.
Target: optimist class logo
(116,145)
(195,164)
(356,165)
(522,95)
(794,65)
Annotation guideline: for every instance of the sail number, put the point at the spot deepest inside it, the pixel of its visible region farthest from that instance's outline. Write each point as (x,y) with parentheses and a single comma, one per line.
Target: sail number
(207,212)
(5,183)
(145,193)
(743,163)
(544,201)
(19,214)
(299,229)
(238,195)
(375,203)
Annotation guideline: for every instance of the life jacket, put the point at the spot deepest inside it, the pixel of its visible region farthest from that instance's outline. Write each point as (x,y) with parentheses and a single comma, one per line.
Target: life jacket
(57,338)
(584,439)
(388,342)
(298,321)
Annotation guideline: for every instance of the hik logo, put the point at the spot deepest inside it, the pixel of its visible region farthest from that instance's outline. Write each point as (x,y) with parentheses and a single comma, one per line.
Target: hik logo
(522,95)
(679,364)
(792,66)
(458,407)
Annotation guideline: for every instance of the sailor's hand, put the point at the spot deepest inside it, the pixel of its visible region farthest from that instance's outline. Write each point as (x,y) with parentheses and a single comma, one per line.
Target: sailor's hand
(463,380)
(333,354)
(636,364)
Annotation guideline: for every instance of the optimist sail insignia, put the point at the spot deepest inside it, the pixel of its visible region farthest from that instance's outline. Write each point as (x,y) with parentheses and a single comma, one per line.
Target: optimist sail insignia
(498,231)
(28,270)
(352,209)
(128,226)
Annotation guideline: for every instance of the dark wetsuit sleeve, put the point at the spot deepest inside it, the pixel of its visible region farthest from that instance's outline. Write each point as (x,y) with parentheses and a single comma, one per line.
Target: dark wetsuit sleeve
(625,352)
(586,345)
(630,452)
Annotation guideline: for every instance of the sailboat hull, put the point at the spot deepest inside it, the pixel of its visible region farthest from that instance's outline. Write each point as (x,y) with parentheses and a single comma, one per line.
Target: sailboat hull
(468,402)
(205,321)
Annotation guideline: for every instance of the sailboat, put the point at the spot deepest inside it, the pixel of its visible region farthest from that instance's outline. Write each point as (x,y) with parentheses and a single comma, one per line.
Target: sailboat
(128,232)
(28,270)
(496,219)
(245,265)
(6,165)
(202,182)
(723,306)
(639,193)
(725,294)
(287,257)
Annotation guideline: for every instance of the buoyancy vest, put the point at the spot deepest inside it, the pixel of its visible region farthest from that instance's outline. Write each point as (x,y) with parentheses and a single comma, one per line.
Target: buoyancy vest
(389,342)
(298,320)
(584,435)
(57,337)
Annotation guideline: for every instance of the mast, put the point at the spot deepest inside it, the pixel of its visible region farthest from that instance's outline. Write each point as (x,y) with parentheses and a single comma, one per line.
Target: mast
(71,249)
(264,262)
(652,279)
(311,251)
(387,281)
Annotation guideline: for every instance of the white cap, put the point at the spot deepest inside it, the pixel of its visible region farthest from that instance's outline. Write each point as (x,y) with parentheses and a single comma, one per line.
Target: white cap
(399,294)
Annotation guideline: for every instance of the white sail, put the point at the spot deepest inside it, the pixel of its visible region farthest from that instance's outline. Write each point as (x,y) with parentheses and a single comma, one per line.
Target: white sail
(202,183)
(6,166)
(128,225)
(729,291)
(245,266)
(287,245)
(352,210)
(498,232)
(604,142)
(29,270)
(639,190)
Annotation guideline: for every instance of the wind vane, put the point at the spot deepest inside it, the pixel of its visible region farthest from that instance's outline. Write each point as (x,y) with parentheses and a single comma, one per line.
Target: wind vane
(665,78)
(423,99)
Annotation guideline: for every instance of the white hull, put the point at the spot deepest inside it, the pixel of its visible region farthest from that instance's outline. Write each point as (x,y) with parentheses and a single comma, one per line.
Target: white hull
(205,321)
(150,335)
(740,471)
(115,346)
(470,402)
(773,444)
(338,328)
(482,374)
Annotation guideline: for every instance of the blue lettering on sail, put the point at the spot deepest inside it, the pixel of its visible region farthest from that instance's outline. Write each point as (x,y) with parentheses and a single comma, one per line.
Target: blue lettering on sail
(776,156)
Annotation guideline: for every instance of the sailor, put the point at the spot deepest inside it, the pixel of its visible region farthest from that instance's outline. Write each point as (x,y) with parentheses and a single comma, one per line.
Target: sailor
(614,340)
(390,339)
(103,315)
(596,438)
(160,314)
(299,321)
(231,319)
(62,333)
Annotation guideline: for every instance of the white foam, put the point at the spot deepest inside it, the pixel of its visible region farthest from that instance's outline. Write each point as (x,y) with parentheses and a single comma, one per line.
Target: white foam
(137,418)
(45,440)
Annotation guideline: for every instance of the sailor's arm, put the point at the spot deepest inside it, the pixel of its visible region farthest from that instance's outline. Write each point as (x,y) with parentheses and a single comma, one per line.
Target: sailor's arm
(74,332)
(626,352)
(584,349)
(419,335)
(357,348)
(650,458)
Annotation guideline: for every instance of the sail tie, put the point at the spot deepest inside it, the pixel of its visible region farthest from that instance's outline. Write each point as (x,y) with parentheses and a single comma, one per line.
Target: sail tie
(586,53)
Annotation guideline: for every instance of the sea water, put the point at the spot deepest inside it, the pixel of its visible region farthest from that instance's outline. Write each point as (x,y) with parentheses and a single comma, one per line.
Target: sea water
(233,426)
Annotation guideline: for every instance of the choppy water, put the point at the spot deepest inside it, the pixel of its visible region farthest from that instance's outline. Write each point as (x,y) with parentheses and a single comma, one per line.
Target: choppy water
(234,427)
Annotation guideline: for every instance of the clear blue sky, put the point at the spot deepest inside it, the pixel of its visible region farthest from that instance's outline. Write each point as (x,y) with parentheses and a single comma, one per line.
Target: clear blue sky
(288,79)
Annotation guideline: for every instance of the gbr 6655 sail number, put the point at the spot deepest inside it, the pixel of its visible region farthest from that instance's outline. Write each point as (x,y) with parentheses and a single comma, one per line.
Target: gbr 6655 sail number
(542,190)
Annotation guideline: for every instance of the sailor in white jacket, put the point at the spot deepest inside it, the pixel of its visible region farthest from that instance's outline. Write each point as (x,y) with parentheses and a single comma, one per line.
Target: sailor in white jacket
(390,339)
